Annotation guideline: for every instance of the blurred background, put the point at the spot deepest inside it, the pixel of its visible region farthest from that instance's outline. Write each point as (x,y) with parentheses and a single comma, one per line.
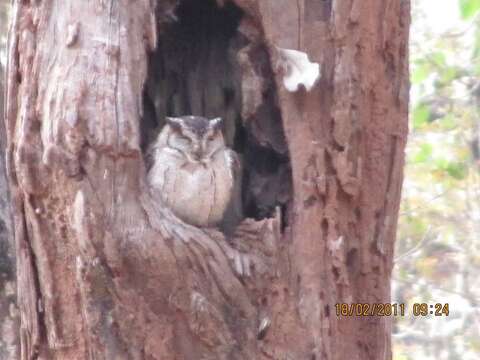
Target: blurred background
(438,246)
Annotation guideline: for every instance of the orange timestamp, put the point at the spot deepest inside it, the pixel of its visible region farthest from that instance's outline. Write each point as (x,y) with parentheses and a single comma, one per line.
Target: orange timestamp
(387,309)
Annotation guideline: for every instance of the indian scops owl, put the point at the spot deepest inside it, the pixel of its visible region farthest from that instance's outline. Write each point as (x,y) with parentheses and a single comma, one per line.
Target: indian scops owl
(193,170)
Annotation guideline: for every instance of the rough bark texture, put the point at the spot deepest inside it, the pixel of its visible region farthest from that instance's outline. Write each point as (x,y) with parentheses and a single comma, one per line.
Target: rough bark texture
(105,273)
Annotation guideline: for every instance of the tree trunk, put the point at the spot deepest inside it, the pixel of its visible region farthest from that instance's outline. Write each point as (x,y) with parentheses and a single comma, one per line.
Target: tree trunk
(104,272)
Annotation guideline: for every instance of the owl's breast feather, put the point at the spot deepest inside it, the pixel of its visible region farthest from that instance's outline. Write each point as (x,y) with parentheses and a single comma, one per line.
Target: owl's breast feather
(198,193)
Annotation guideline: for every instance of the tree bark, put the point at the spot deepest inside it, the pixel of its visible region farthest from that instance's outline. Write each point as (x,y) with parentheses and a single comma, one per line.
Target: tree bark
(104,272)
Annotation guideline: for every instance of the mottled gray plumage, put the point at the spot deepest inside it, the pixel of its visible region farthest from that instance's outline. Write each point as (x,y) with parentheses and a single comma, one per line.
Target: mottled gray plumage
(193,171)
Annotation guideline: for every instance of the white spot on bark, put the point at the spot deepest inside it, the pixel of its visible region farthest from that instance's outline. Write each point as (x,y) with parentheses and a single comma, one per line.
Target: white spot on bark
(298,70)
(152,32)
(72,34)
(102,40)
(9,288)
(264,325)
(230,160)
(80,221)
(198,302)
(238,264)
(246,265)
(335,245)
(71,118)
(242,263)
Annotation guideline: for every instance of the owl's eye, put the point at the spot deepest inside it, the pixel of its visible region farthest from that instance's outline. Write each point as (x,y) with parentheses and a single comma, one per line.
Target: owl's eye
(210,138)
(184,138)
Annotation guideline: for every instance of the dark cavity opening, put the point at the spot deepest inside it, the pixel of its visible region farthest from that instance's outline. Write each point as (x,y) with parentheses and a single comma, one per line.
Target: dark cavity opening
(205,65)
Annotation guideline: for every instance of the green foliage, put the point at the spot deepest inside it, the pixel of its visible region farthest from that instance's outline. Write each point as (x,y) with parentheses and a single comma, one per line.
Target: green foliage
(424,153)
(437,248)
(468,8)
(421,73)
(421,115)
(456,170)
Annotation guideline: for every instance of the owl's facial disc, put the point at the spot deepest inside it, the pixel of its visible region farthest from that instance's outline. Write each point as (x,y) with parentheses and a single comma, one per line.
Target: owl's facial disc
(196,137)
(193,147)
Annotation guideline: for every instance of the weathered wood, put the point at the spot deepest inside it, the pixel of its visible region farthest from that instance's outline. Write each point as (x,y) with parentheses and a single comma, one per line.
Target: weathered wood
(106,273)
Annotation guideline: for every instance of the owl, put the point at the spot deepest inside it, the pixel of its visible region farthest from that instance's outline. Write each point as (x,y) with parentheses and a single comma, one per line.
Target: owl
(193,171)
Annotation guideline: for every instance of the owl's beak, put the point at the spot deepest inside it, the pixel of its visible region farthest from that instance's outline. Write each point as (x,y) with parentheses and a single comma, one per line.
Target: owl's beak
(197,153)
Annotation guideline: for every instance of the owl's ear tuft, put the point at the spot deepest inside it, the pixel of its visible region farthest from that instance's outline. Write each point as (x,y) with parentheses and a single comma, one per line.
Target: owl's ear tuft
(174,122)
(216,124)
